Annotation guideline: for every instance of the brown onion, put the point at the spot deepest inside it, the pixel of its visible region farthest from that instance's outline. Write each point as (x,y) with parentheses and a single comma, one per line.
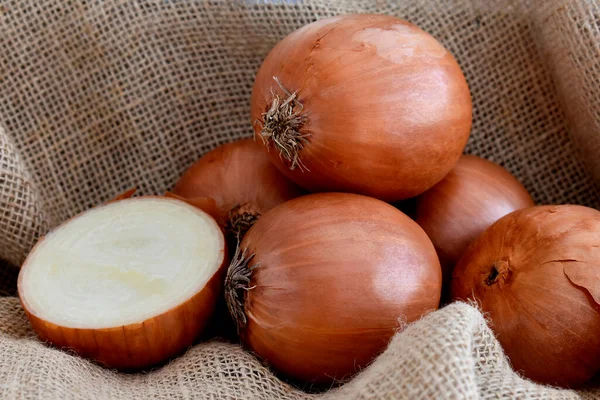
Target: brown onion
(474,195)
(128,284)
(536,273)
(242,181)
(366,104)
(319,283)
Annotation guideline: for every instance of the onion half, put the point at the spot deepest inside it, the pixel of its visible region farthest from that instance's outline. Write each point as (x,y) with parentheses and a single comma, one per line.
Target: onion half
(129,284)
(320,282)
(367,104)
(536,273)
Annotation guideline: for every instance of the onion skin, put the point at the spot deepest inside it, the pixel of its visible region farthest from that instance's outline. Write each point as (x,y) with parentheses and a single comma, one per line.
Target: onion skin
(536,273)
(236,175)
(206,204)
(330,276)
(378,107)
(125,195)
(475,194)
(138,345)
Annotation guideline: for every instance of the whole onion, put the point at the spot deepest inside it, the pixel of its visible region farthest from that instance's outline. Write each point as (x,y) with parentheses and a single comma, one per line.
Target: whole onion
(474,195)
(320,282)
(536,273)
(367,104)
(241,180)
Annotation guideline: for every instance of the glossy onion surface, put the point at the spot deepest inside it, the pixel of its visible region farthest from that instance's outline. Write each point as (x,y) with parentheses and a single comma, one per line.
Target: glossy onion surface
(367,104)
(331,276)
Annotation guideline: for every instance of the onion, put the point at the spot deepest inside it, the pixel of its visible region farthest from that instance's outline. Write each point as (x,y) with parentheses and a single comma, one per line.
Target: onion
(474,195)
(367,104)
(536,273)
(242,181)
(129,284)
(319,283)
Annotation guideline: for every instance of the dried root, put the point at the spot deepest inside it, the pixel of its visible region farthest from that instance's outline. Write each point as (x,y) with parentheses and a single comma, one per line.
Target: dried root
(240,220)
(237,284)
(281,126)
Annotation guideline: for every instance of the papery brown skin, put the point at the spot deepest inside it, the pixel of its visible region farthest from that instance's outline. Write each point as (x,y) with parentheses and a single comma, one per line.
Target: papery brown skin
(235,174)
(139,345)
(475,194)
(542,296)
(125,195)
(206,204)
(387,107)
(334,274)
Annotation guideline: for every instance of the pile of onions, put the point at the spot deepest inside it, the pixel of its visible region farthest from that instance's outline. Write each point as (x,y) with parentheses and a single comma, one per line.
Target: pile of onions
(474,195)
(367,104)
(320,282)
(536,273)
(241,180)
(363,109)
(129,284)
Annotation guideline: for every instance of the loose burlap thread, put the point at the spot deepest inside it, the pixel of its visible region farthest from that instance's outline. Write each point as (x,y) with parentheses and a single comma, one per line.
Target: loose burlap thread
(97,97)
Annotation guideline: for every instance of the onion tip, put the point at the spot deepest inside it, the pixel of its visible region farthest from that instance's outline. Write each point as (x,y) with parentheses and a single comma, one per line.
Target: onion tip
(237,283)
(240,220)
(281,125)
(498,273)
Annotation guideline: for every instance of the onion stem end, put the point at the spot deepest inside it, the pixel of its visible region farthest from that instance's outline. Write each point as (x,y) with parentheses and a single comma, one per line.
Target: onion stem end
(240,220)
(237,284)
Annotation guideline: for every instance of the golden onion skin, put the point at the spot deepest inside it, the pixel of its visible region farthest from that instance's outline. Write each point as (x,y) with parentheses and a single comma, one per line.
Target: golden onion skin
(331,276)
(367,104)
(536,274)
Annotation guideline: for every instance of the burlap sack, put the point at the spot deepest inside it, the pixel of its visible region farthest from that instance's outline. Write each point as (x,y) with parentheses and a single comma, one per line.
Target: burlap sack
(97,97)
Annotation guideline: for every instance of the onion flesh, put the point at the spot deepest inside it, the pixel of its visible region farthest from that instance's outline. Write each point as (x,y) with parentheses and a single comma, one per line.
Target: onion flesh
(536,273)
(128,284)
(319,283)
(367,104)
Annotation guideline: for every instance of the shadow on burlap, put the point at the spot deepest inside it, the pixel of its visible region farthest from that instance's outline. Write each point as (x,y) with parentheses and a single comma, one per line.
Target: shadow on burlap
(98,97)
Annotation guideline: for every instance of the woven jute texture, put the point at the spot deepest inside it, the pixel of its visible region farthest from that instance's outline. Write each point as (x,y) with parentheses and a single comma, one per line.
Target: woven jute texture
(98,97)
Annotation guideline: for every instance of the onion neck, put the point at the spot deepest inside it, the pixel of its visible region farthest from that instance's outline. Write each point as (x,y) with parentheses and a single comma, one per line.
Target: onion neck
(240,220)
(281,126)
(237,285)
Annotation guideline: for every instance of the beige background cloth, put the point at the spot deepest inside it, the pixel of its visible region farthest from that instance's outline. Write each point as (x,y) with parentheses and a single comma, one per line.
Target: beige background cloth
(97,97)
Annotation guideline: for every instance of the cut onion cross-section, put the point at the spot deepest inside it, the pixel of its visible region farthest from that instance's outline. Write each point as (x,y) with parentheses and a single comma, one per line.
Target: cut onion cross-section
(128,284)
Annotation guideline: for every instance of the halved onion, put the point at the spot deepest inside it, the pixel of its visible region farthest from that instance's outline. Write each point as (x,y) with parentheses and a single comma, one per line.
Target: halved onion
(128,284)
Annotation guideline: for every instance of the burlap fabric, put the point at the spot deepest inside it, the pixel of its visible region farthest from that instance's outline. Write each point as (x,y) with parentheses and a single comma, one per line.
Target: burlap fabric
(97,97)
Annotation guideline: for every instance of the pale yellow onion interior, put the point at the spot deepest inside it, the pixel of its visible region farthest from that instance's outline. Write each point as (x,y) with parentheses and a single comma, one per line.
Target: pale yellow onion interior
(121,263)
